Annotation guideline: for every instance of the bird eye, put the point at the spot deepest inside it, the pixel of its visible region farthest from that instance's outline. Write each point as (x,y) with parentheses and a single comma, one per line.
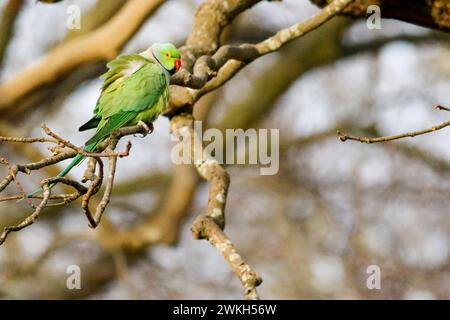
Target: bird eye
(167,55)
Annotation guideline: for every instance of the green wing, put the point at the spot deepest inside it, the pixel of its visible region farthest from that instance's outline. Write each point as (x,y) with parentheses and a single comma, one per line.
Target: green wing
(118,69)
(138,91)
(134,93)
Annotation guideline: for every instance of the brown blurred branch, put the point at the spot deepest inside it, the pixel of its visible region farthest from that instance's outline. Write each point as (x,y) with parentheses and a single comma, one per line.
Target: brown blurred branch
(92,190)
(428,13)
(7,21)
(210,72)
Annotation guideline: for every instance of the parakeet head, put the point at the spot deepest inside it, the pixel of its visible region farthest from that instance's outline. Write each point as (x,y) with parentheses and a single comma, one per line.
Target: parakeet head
(168,56)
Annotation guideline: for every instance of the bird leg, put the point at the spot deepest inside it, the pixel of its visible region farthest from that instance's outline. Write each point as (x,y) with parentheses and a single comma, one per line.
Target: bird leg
(147,126)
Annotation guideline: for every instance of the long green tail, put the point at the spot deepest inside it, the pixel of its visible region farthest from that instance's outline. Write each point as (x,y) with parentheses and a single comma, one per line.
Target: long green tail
(78,159)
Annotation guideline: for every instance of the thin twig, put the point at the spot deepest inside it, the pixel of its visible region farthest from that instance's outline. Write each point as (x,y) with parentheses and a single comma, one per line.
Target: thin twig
(79,150)
(37,196)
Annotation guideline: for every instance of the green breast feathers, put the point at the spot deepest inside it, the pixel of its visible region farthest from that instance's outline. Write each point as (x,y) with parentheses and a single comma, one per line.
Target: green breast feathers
(134,89)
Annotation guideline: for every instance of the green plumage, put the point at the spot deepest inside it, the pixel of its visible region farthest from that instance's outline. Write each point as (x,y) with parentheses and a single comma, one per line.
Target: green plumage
(135,88)
(128,98)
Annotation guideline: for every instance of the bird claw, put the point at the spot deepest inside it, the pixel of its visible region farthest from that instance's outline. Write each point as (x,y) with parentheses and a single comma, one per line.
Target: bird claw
(148,127)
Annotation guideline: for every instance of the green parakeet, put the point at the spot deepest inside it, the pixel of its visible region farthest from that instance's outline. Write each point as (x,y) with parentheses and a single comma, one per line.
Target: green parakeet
(135,89)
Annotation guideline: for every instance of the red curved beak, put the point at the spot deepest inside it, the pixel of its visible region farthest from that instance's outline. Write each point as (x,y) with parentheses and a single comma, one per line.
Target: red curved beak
(177,65)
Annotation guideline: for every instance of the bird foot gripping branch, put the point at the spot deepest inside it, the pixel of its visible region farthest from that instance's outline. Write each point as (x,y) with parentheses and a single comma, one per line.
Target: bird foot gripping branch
(148,127)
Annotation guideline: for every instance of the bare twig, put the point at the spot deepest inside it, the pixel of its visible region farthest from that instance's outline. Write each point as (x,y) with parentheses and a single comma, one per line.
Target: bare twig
(210,224)
(206,67)
(93,189)
(204,227)
(344,137)
(107,194)
(111,141)
(37,196)
(80,190)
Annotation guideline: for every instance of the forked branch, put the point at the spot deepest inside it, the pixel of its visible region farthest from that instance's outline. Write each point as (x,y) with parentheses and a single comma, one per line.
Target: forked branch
(209,225)
(104,150)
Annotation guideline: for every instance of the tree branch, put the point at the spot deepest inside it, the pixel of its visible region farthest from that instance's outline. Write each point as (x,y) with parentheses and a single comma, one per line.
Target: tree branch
(31,218)
(344,137)
(109,145)
(206,68)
